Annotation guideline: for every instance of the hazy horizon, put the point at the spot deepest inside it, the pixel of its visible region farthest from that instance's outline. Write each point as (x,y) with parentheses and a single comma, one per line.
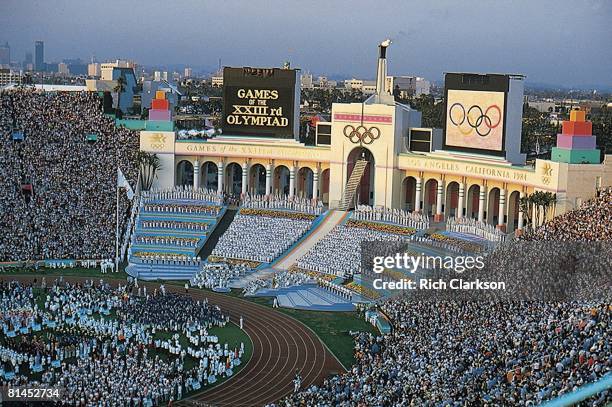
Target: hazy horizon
(551,42)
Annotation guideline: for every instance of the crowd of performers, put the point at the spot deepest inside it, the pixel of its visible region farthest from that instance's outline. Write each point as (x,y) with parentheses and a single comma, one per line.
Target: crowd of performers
(283,202)
(339,252)
(107,345)
(474,227)
(260,238)
(214,275)
(67,205)
(395,216)
(184,193)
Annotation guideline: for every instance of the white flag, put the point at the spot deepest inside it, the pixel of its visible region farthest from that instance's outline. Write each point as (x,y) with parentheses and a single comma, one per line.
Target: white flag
(123,183)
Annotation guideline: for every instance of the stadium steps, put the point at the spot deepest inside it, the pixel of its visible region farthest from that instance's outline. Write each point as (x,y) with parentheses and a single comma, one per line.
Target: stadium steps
(326,295)
(351,186)
(307,297)
(161,272)
(189,251)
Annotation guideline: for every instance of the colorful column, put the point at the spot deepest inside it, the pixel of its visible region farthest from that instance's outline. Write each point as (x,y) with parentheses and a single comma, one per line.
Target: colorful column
(439,216)
(501,217)
(576,143)
(268,179)
(220,176)
(315,184)
(417,195)
(292,173)
(245,178)
(519,228)
(482,201)
(461,200)
(196,174)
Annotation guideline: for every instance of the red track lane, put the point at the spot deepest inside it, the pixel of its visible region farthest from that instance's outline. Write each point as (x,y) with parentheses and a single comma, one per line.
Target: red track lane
(282,346)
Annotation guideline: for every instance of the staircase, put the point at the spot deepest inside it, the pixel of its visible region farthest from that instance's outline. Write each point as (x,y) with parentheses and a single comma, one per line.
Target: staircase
(352,184)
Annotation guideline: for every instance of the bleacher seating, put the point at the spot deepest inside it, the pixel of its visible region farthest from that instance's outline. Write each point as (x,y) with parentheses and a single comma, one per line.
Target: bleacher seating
(171,228)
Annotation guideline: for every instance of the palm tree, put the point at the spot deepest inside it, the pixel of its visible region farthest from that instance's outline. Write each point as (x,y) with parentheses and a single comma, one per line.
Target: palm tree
(526,207)
(119,89)
(542,202)
(149,165)
(548,201)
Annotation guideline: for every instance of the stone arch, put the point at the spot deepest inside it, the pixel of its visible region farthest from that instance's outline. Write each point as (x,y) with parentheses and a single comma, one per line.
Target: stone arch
(304,182)
(473,201)
(366,190)
(513,203)
(257,179)
(409,193)
(184,173)
(233,178)
(452,200)
(324,186)
(493,207)
(430,192)
(281,180)
(209,175)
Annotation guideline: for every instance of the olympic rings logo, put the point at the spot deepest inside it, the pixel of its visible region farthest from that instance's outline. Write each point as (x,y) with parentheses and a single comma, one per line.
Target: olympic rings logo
(481,122)
(361,134)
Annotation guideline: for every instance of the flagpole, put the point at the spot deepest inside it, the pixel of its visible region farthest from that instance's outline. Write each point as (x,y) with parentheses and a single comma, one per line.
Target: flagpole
(117,227)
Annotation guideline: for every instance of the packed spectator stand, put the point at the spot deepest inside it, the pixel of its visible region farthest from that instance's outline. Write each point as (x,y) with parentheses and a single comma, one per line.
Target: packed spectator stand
(69,212)
(459,353)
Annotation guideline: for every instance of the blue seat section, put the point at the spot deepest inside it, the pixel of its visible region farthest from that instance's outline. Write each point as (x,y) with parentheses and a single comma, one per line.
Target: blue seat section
(168,270)
(307,297)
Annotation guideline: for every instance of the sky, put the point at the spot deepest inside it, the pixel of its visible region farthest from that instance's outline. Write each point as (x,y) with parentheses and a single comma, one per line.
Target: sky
(557,42)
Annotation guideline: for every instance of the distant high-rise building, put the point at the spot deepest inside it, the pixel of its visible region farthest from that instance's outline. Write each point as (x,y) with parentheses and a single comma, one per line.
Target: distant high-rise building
(94,69)
(107,68)
(8,77)
(62,68)
(160,76)
(5,54)
(39,56)
(188,72)
(28,63)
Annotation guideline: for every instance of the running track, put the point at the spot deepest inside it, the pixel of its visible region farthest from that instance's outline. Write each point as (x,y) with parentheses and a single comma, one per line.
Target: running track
(282,346)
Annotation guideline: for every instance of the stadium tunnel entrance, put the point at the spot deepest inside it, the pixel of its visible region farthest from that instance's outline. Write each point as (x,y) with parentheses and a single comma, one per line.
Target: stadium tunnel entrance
(365,191)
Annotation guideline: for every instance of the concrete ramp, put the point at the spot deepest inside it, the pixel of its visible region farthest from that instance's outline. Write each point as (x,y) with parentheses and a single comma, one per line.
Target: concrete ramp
(291,257)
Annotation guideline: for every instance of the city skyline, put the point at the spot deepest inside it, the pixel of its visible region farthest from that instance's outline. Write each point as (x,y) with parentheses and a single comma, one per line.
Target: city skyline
(532,39)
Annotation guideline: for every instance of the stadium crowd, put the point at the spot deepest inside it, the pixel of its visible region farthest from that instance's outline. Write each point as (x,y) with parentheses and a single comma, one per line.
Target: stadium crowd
(70,210)
(457,353)
(111,346)
(589,222)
